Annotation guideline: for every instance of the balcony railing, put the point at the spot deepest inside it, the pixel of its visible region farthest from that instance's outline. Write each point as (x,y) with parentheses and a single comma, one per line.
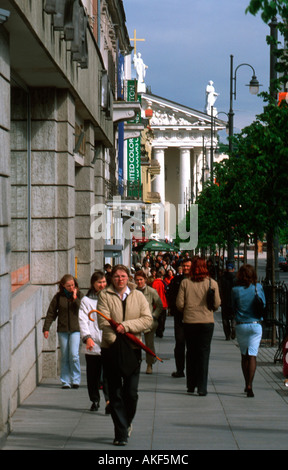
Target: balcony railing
(126,189)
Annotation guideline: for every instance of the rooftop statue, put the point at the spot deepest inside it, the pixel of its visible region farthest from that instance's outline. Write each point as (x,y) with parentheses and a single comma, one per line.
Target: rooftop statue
(140,68)
(211,97)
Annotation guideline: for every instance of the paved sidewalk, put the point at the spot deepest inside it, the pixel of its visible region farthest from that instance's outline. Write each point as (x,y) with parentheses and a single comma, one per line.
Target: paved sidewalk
(167,417)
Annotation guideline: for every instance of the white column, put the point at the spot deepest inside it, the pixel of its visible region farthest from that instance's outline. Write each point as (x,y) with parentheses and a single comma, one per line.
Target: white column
(196,176)
(184,175)
(158,184)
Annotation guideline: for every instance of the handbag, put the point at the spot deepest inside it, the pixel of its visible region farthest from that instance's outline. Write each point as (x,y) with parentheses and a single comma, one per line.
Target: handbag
(210,298)
(258,306)
(124,356)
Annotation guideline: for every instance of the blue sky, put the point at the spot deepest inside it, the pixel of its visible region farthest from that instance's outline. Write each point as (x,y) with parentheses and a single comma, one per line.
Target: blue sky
(189,42)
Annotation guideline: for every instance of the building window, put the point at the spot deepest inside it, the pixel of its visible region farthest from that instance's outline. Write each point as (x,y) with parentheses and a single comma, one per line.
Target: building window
(20,186)
(80,141)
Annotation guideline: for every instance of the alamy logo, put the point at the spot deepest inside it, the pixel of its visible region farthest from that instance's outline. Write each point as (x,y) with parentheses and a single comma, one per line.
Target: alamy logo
(128,220)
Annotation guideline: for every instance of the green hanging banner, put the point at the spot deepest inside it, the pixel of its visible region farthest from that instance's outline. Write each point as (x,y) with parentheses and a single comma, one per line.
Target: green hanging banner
(134,149)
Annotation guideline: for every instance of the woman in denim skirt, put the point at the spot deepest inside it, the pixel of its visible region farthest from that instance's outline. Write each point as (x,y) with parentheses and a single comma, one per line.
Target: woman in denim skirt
(248,324)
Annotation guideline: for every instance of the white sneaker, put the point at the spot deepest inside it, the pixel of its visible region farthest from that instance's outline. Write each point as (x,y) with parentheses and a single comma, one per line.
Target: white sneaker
(130,430)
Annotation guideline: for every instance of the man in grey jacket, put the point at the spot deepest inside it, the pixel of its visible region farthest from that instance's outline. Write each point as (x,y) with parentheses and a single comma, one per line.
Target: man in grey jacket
(156,307)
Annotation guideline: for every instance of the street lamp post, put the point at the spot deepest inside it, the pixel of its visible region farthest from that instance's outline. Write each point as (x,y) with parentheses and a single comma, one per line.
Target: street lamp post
(212,135)
(272,266)
(211,150)
(205,167)
(254,89)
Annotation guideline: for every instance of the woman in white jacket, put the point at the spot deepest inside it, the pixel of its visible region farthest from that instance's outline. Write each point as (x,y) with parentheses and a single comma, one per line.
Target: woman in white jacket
(91,338)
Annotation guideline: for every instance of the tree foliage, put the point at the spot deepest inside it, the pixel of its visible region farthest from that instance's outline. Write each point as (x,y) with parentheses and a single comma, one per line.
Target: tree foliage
(275,10)
(251,191)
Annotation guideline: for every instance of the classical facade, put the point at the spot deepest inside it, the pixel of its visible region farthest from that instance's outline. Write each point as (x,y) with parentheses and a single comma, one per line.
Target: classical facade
(182,148)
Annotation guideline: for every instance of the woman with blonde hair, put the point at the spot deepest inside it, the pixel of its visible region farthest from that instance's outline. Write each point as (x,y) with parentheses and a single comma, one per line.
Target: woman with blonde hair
(198,322)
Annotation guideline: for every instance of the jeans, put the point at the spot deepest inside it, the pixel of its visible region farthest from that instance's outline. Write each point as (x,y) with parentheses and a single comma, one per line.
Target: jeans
(149,341)
(198,338)
(70,360)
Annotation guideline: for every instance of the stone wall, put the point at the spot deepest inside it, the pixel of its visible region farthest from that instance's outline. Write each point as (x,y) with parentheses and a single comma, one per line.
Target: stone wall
(46,192)
(5,282)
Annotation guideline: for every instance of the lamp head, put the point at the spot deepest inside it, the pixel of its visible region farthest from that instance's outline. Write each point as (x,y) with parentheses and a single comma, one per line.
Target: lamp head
(254,85)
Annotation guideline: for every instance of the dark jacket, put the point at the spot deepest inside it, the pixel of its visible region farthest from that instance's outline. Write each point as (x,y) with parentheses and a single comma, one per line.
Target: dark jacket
(66,311)
(226,282)
(172,292)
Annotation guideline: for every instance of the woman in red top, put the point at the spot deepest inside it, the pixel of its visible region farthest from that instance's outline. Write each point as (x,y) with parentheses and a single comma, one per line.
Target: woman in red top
(159,285)
(168,278)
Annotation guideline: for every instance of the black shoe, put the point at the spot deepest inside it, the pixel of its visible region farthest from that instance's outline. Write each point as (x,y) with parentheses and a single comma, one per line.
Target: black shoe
(94,406)
(119,443)
(75,386)
(190,390)
(250,393)
(108,409)
(178,374)
(202,394)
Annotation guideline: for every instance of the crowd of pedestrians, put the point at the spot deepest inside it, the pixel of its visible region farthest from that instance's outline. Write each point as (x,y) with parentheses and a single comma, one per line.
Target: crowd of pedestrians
(122,301)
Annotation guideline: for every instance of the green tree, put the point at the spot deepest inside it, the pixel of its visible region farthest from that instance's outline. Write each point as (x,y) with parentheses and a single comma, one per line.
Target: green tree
(212,221)
(264,147)
(251,194)
(270,10)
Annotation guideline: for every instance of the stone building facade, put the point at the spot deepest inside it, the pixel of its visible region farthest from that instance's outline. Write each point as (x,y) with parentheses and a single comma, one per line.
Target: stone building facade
(57,90)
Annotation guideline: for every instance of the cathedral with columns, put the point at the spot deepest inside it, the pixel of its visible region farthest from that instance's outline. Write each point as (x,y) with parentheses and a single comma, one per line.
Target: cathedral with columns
(182,142)
(180,146)
(183,146)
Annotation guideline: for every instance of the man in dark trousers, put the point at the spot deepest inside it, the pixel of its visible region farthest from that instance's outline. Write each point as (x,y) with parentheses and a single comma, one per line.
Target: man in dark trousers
(179,350)
(226,282)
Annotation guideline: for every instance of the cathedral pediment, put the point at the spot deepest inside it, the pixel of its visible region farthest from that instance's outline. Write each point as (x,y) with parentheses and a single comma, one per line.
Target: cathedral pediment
(163,118)
(168,114)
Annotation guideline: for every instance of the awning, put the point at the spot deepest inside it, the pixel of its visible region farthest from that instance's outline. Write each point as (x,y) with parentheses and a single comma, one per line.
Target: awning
(112,251)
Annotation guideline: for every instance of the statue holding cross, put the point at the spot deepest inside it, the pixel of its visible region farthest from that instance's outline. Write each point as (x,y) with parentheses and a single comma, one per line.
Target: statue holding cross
(139,66)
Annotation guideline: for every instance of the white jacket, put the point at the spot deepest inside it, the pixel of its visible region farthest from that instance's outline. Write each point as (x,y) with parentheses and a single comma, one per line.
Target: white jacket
(89,328)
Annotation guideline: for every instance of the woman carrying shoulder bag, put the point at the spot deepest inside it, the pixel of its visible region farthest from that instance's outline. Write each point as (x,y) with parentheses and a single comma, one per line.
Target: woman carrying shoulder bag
(248,323)
(198,322)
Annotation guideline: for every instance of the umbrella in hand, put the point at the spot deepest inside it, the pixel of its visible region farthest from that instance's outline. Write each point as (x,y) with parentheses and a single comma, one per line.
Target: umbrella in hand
(132,338)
